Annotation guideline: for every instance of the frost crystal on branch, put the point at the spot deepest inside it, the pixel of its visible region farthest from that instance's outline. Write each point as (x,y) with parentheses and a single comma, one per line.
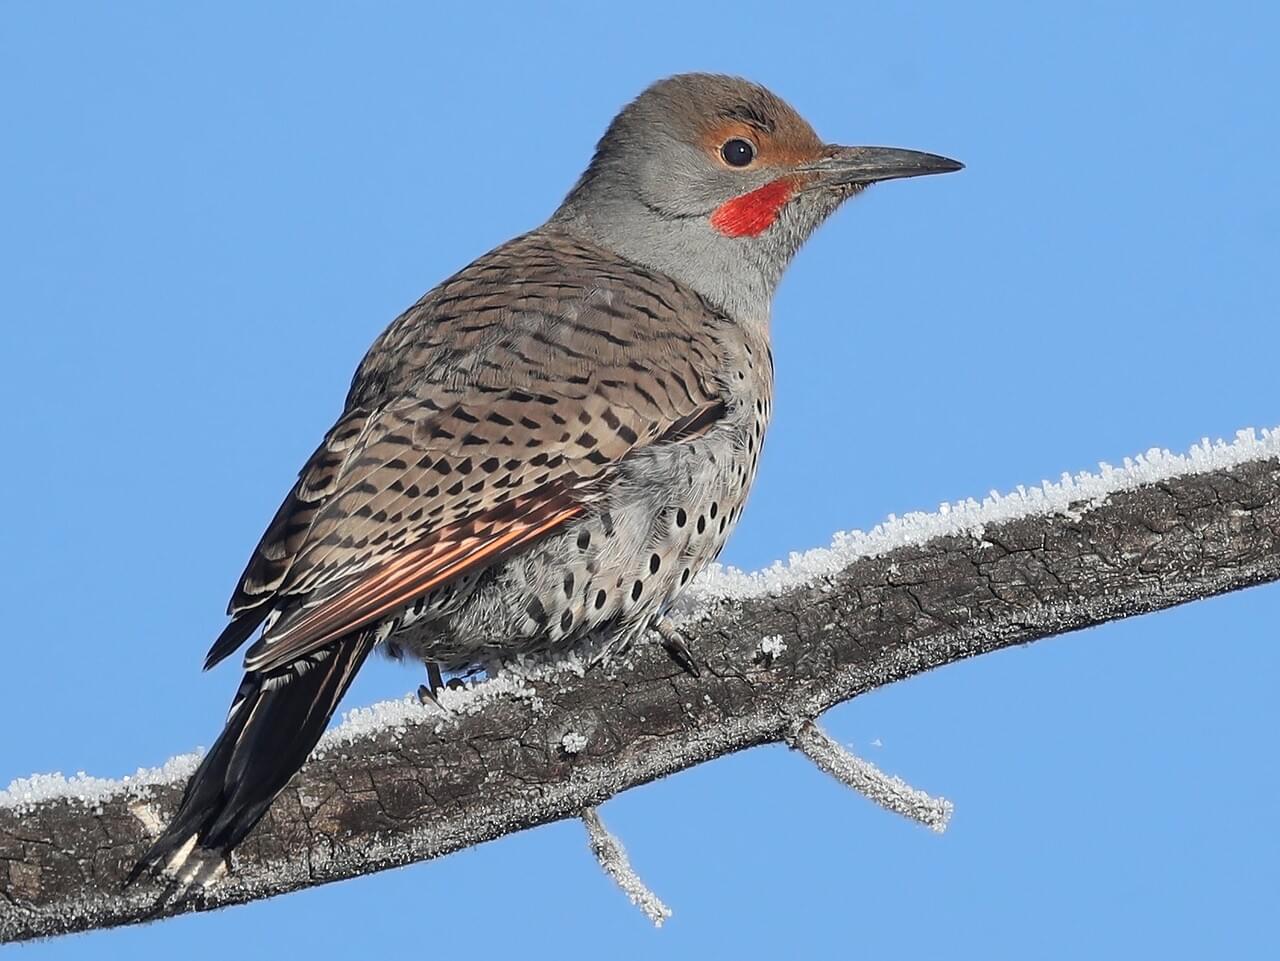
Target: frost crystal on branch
(891,793)
(772,646)
(970,517)
(613,859)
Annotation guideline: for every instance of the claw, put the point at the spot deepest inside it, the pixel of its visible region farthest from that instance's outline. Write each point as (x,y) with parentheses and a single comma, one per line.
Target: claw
(427,692)
(673,643)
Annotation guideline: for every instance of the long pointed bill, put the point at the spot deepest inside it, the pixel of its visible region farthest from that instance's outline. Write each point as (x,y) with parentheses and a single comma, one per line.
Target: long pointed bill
(867,165)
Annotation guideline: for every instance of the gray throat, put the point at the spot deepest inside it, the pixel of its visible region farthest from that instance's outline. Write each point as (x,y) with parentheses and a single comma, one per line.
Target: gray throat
(737,275)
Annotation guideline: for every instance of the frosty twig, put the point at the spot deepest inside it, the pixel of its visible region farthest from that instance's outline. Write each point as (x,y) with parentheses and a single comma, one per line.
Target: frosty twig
(891,793)
(613,860)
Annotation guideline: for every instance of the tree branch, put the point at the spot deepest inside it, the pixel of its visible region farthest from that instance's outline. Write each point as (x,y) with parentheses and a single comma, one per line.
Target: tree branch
(403,784)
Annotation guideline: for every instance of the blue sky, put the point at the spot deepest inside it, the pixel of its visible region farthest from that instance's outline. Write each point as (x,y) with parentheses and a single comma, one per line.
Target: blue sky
(207,212)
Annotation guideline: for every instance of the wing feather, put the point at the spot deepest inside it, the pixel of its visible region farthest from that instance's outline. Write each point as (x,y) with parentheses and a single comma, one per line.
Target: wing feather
(478,422)
(399,581)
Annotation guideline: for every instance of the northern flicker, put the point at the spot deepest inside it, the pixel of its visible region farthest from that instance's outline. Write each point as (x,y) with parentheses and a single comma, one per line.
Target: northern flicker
(543,450)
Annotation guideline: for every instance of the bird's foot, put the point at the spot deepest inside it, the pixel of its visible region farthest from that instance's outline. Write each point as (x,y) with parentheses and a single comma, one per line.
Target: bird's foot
(674,644)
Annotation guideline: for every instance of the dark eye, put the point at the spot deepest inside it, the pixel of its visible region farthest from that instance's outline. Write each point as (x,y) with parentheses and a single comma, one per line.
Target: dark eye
(738,152)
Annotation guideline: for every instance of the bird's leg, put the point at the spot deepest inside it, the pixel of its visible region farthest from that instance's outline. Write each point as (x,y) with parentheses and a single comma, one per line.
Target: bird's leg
(674,644)
(427,692)
(434,677)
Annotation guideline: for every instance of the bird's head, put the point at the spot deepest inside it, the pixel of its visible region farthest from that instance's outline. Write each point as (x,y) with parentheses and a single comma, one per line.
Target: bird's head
(717,182)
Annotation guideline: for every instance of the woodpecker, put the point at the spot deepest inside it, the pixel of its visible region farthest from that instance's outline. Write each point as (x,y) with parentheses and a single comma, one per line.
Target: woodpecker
(545,449)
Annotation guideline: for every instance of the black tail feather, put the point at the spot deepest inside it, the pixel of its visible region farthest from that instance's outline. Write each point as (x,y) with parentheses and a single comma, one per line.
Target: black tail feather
(275,721)
(235,634)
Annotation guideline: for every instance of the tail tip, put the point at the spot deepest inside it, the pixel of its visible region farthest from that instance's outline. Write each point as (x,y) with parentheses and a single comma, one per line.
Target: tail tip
(189,865)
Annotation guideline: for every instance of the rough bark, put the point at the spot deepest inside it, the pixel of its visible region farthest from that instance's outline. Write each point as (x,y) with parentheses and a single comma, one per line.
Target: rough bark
(406,795)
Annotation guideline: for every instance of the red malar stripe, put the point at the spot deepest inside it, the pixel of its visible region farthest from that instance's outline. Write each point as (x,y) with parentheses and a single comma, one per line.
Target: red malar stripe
(752,213)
